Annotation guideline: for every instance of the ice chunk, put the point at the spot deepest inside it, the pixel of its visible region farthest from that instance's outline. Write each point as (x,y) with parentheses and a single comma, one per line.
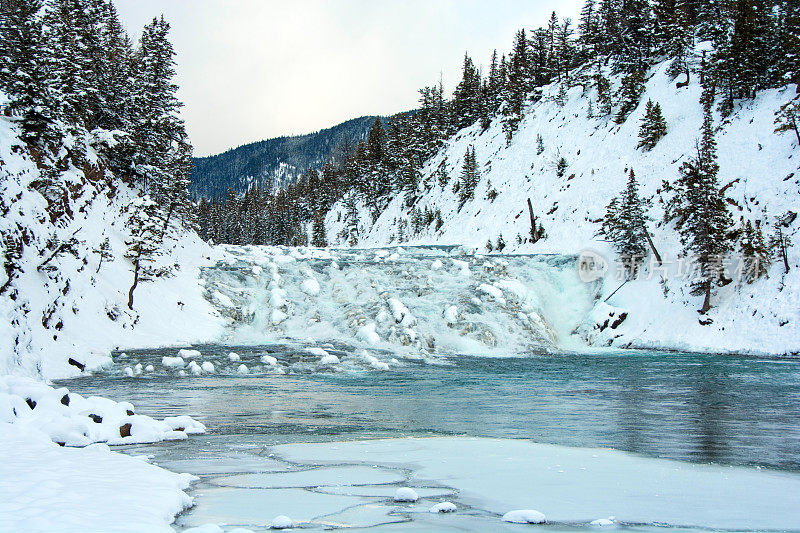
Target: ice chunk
(233,356)
(405,494)
(329,359)
(443,507)
(128,371)
(524,516)
(451,315)
(269,360)
(149,368)
(207,366)
(243,369)
(368,334)
(195,368)
(398,309)
(281,522)
(310,287)
(436,265)
(604,522)
(188,353)
(278,316)
(172,362)
(316,351)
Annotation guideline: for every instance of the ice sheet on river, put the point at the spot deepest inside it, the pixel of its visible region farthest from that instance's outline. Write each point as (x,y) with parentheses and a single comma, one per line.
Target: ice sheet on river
(577,485)
(414,301)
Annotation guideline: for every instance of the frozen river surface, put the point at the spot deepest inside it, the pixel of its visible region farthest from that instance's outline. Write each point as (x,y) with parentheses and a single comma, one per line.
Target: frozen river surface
(323,424)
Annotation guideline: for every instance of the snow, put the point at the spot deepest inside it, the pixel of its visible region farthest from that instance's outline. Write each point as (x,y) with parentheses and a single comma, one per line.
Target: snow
(329,359)
(82,485)
(278,316)
(310,287)
(576,485)
(281,522)
(405,494)
(604,522)
(49,488)
(524,516)
(268,359)
(760,165)
(173,362)
(368,334)
(444,507)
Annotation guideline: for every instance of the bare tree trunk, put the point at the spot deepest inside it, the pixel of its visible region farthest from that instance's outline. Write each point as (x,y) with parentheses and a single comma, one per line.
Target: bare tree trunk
(707,300)
(533,221)
(135,283)
(652,247)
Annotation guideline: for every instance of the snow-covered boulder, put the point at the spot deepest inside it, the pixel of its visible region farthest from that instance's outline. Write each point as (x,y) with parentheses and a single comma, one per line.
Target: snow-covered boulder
(281,522)
(173,362)
(524,516)
(443,507)
(405,494)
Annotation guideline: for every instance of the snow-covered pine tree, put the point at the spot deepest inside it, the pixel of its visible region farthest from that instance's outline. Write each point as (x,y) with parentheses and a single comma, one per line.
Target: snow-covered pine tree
(788,118)
(629,94)
(143,244)
(653,126)
(517,86)
(104,253)
(700,211)
(469,178)
(24,75)
(318,237)
(625,226)
(756,254)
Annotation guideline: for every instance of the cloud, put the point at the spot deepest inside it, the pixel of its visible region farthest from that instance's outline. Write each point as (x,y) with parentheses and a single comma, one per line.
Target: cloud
(254,69)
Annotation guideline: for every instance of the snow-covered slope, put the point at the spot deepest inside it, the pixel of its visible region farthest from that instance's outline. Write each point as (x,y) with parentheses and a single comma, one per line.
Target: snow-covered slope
(763,167)
(74,307)
(58,307)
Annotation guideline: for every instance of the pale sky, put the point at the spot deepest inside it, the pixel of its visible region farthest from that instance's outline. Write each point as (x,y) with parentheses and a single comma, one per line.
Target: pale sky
(254,69)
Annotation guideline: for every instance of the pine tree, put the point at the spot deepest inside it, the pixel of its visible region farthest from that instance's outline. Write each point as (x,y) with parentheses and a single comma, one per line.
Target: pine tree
(517,85)
(104,253)
(629,94)
(625,225)
(653,127)
(587,31)
(700,210)
(24,69)
(756,256)
(469,178)
(143,244)
(788,118)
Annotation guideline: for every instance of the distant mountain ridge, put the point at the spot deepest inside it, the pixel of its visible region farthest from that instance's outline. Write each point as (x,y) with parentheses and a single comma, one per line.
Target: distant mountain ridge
(273,163)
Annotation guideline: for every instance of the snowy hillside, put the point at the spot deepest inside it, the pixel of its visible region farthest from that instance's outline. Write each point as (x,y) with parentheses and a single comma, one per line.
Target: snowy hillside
(73,306)
(760,165)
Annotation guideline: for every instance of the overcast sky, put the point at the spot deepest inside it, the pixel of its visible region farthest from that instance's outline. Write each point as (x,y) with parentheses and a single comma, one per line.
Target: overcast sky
(254,69)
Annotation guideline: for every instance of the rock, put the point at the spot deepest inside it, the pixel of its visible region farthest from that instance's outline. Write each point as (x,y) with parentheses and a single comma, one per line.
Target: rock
(406,494)
(524,516)
(281,522)
(125,430)
(65,400)
(129,412)
(75,363)
(97,419)
(31,403)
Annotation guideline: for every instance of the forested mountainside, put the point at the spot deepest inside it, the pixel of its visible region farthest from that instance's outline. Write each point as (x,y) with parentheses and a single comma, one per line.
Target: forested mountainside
(94,175)
(662,134)
(273,164)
